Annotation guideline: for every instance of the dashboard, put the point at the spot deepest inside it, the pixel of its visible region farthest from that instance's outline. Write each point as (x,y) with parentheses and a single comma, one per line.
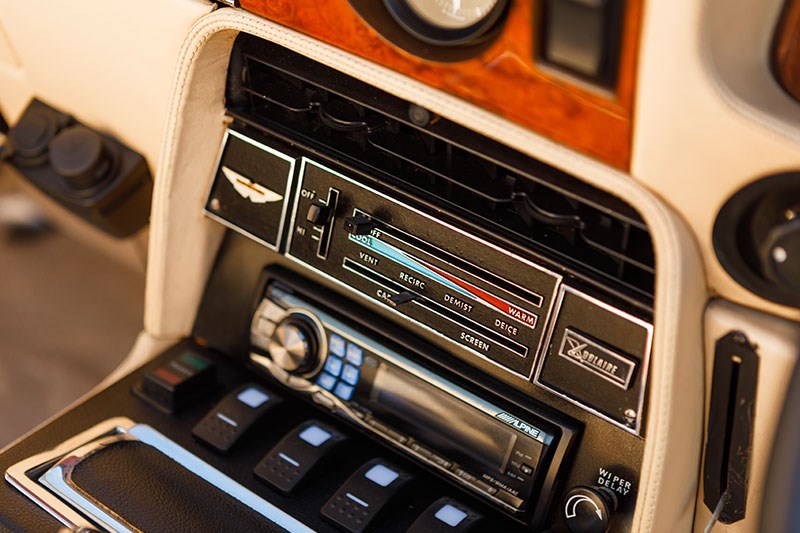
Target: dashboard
(478,265)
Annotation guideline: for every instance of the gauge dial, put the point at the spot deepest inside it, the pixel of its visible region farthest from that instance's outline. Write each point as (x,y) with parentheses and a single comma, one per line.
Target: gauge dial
(452,14)
(447,22)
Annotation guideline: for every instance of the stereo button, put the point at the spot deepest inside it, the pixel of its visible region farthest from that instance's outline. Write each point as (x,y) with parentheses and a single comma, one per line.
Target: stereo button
(343,391)
(326,381)
(333,365)
(350,374)
(323,400)
(293,346)
(387,431)
(355,354)
(336,345)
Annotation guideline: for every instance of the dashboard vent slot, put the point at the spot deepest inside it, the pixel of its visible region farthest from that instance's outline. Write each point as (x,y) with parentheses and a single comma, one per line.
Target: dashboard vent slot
(581,228)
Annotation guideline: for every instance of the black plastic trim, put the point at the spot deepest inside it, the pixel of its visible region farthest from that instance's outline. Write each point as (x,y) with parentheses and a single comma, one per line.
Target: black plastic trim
(729,443)
(591,234)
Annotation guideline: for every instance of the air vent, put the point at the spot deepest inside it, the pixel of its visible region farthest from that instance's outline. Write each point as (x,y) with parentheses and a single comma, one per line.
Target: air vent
(587,231)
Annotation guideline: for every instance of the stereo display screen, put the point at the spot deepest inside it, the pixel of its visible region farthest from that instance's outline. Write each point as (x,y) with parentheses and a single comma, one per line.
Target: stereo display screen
(450,426)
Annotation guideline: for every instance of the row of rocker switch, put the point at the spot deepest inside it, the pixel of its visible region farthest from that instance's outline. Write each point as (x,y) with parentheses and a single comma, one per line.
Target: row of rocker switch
(358,502)
(355,505)
(369,489)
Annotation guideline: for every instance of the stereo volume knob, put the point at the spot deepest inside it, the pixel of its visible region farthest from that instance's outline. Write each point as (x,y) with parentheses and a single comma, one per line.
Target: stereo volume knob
(293,346)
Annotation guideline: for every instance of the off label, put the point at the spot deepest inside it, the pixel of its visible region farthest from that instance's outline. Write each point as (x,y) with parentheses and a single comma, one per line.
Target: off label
(614,482)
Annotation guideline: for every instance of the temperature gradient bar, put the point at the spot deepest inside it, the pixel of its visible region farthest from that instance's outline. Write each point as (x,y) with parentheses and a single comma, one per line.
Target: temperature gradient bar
(447,280)
(485,319)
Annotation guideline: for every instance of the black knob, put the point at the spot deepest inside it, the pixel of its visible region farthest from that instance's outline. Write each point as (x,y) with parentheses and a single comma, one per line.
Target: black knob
(77,155)
(293,346)
(31,136)
(402,298)
(588,509)
(318,213)
(780,254)
(358,225)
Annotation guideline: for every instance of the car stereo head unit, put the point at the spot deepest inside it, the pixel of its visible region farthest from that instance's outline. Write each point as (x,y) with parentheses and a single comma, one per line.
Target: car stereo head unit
(508,456)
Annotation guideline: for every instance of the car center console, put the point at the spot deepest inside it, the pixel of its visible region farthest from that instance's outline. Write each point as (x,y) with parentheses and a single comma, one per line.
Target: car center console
(408,327)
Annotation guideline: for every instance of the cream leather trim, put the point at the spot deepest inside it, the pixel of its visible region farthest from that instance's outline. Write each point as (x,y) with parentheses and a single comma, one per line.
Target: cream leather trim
(183,243)
(108,63)
(710,117)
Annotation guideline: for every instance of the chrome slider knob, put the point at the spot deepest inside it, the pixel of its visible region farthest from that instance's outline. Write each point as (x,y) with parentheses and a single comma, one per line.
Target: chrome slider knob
(293,346)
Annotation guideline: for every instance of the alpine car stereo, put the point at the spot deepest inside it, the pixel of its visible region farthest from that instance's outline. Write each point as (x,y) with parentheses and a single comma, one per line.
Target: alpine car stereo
(506,455)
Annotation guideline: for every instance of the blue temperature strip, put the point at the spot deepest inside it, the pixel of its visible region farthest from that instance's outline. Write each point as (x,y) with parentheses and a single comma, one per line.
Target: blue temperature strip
(400,257)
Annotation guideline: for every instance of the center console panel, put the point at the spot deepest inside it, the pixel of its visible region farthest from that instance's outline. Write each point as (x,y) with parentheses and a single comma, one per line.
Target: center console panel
(408,327)
(122,442)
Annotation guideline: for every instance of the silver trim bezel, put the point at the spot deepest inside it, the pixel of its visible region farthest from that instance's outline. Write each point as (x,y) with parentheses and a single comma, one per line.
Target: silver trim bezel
(55,493)
(637,428)
(547,314)
(286,194)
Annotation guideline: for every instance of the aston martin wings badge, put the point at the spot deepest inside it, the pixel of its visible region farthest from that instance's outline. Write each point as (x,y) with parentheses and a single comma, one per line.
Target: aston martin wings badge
(258,194)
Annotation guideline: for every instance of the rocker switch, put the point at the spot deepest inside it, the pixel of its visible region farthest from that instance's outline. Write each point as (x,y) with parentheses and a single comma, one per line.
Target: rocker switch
(230,419)
(446,515)
(177,383)
(288,463)
(360,500)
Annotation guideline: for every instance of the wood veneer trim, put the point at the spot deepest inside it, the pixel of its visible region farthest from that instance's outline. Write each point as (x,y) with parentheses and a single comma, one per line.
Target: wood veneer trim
(504,78)
(786,49)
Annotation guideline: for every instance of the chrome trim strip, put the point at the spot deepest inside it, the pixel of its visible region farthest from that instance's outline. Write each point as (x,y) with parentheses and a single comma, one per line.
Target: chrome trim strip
(286,193)
(17,474)
(637,428)
(70,452)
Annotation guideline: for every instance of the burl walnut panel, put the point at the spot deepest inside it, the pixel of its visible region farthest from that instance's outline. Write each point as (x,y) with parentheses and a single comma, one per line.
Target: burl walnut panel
(504,78)
(786,54)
